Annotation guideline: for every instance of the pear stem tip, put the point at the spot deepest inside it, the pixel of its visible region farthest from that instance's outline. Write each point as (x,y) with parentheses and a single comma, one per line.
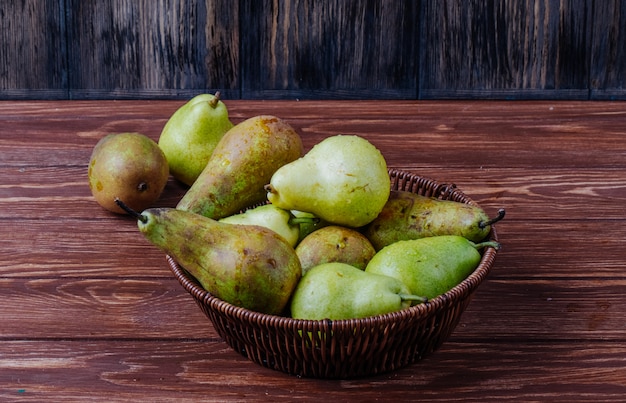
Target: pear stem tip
(487,244)
(414,298)
(500,216)
(215,100)
(130,211)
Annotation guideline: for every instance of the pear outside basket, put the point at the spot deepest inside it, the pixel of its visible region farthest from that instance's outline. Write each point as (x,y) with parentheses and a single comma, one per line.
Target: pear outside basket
(343,349)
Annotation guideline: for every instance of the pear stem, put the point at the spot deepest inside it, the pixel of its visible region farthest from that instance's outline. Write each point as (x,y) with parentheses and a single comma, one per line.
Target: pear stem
(486,244)
(411,297)
(485,224)
(215,100)
(130,211)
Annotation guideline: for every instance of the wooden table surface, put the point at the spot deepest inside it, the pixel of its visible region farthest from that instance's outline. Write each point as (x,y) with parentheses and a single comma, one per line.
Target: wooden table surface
(89,310)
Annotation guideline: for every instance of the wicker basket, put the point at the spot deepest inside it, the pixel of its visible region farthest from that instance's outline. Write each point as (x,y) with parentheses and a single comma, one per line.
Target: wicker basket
(346,348)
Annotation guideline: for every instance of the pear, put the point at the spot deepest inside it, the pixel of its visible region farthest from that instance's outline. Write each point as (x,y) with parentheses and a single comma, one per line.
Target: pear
(191,134)
(334,243)
(429,266)
(407,215)
(343,179)
(129,166)
(272,217)
(242,163)
(246,265)
(339,291)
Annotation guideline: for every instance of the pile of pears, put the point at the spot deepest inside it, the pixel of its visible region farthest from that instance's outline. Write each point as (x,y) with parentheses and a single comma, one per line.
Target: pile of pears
(271,228)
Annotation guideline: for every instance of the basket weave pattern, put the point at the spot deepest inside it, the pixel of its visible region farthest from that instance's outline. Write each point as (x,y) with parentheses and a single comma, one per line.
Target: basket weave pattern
(343,349)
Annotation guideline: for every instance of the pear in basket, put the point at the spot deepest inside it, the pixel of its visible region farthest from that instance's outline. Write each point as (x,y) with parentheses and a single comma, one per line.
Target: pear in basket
(408,215)
(340,291)
(272,217)
(343,180)
(242,162)
(429,266)
(246,265)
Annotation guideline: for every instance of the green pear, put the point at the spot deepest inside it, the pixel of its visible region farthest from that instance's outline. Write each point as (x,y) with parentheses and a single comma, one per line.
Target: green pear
(429,266)
(340,291)
(269,216)
(343,179)
(407,215)
(334,243)
(242,163)
(246,265)
(191,134)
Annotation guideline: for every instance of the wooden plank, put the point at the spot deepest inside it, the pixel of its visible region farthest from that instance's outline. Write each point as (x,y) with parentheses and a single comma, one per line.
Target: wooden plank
(574,306)
(32,50)
(608,52)
(590,308)
(334,49)
(469,137)
(191,371)
(51,307)
(156,50)
(504,49)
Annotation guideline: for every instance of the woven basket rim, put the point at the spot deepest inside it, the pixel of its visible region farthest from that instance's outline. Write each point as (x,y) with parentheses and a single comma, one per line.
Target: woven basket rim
(434,305)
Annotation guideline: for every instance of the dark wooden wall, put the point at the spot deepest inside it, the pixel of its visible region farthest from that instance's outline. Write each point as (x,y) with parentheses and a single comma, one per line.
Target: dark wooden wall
(312,49)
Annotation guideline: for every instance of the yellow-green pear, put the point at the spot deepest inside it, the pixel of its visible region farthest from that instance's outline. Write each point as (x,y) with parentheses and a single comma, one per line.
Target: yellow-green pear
(340,291)
(343,180)
(191,134)
(269,216)
(429,266)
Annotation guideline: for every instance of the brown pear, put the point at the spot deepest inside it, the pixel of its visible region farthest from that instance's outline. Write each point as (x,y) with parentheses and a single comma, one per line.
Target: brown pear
(246,265)
(334,243)
(242,163)
(408,215)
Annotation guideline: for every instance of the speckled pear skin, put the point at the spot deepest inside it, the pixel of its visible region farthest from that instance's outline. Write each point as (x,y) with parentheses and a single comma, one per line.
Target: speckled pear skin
(408,215)
(248,266)
(241,165)
(128,166)
(335,243)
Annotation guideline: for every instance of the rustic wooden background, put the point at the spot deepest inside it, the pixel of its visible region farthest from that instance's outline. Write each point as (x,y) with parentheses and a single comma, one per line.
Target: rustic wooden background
(311,49)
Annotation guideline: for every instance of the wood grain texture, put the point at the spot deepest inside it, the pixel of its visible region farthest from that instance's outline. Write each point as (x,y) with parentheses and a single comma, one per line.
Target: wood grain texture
(33,50)
(332,49)
(91,312)
(305,49)
(173,48)
(608,60)
(194,370)
(505,49)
